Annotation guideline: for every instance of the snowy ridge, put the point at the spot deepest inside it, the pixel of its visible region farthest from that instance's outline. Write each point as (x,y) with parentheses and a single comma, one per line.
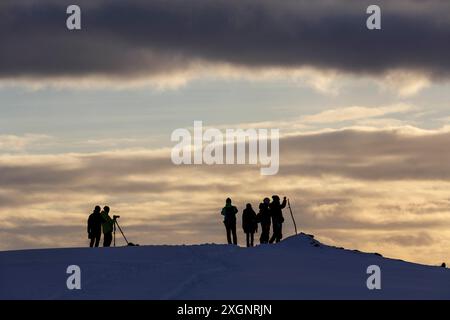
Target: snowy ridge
(299,267)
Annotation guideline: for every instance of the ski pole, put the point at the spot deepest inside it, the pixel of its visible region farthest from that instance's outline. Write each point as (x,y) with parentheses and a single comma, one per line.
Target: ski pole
(292,215)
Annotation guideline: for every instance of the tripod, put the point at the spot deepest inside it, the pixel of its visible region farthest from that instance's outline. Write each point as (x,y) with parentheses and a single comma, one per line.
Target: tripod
(116,223)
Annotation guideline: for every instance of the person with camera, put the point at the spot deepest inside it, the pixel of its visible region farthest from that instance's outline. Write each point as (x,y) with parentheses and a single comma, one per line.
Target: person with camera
(107,226)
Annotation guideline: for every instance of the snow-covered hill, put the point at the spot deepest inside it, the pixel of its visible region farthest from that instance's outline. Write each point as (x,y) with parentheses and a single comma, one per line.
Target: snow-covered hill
(297,268)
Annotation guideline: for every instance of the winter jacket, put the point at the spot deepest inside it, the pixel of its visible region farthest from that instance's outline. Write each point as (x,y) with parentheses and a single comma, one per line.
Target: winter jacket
(229,214)
(108,223)
(276,211)
(249,223)
(264,214)
(94,224)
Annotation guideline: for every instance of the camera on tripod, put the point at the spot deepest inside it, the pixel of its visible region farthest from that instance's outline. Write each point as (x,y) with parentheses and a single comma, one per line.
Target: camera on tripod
(116,224)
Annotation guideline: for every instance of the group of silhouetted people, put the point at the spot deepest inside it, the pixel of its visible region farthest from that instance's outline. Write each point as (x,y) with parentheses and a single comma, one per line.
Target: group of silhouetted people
(270,213)
(100,220)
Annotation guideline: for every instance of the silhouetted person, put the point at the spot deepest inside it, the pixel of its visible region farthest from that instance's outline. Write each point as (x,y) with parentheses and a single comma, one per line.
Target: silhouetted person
(108,226)
(264,217)
(249,224)
(229,213)
(277,218)
(94,227)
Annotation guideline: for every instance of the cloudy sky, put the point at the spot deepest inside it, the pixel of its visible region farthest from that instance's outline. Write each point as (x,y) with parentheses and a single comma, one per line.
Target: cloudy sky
(364,117)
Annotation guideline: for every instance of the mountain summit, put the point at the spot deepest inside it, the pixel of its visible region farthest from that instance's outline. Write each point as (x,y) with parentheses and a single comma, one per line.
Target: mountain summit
(299,267)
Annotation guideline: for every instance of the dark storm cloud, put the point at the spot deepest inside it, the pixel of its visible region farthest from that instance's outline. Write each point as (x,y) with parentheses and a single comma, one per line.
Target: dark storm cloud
(142,38)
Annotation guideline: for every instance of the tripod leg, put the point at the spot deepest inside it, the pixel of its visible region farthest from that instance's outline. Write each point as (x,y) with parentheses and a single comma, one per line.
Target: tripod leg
(114,228)
(120,229)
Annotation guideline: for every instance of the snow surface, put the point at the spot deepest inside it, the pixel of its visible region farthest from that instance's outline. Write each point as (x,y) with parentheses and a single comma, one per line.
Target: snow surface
(297,268)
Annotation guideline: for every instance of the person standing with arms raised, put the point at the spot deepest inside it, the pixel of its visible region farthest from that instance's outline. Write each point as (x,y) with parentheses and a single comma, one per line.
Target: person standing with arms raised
(277,218)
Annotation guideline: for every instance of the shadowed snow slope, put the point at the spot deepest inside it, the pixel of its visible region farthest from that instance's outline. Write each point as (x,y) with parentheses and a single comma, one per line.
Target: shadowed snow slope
(297,268)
